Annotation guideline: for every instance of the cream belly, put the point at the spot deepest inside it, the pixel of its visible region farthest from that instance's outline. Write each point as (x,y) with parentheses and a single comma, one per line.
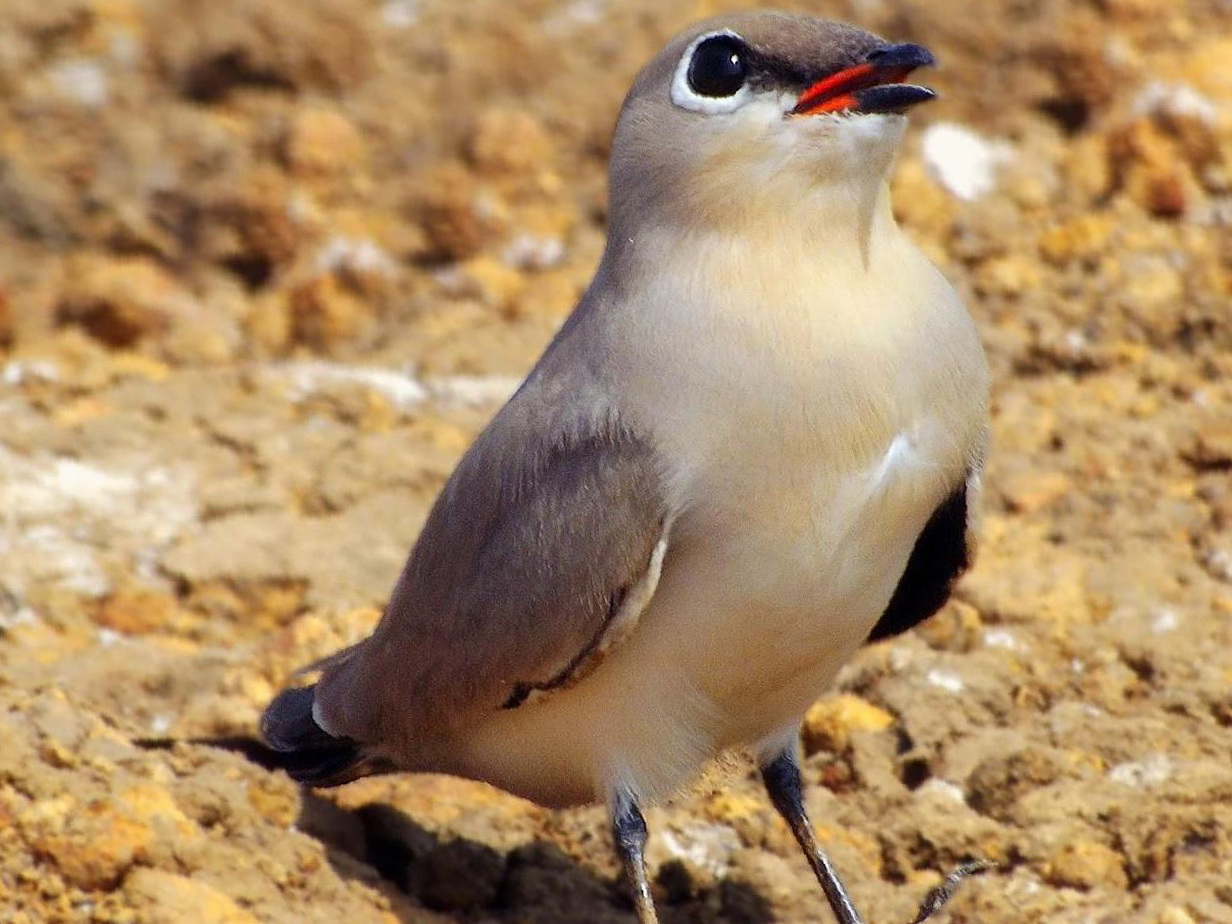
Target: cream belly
(760,602)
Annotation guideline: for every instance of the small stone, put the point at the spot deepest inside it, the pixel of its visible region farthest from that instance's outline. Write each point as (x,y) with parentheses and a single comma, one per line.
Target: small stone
(6,321)
(996,784)
(1211,447)
(137,611)
(1174,915)
(276,799)
(119,302)
(461,875)
(452,223)
(1086,865)
(510,141)
(324,313)
(1082,238)
(494,283)
(322,142)
(1009,275)
(829,723)
(163,896)
(1152,287)
(270,322)
(1032,491)
(97,846)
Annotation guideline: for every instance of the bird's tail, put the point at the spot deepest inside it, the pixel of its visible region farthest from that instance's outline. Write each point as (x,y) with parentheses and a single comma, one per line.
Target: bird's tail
(309,753)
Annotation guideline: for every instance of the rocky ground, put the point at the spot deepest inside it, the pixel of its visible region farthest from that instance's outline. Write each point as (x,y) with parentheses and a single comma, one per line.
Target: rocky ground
(265,269)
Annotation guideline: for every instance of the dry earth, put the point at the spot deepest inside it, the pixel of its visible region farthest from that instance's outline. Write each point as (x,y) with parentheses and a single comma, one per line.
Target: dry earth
(265,269)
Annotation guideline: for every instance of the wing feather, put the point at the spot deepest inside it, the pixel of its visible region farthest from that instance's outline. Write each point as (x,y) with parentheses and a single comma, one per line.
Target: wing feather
(537,559)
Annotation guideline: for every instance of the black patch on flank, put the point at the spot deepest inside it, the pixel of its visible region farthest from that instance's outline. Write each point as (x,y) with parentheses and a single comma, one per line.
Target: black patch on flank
(939,557)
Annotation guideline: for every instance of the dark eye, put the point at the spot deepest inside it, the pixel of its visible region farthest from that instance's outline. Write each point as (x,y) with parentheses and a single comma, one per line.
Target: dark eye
(718,67)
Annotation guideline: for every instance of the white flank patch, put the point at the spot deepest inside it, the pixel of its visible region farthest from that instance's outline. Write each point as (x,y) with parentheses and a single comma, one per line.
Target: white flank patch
(946,680)
(1143,774)
(962,161)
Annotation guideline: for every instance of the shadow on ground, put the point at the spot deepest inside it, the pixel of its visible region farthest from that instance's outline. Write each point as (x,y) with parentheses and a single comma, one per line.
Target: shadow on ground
(536,883)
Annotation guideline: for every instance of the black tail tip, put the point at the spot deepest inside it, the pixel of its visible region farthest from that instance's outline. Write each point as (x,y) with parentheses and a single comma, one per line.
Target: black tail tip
(305,750)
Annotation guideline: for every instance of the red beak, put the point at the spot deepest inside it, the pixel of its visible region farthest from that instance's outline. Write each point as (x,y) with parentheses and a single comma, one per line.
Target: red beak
(872,86)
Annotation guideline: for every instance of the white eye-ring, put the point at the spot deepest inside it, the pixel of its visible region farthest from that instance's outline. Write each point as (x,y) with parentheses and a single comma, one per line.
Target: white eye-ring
(712,76)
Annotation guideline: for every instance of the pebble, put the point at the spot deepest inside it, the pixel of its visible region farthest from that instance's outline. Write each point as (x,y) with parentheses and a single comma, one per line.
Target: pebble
(830,723)
(1086,865)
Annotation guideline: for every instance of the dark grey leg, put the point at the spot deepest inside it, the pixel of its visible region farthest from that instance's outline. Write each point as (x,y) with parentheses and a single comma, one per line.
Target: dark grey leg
(782,779)
(629,832)
(943,893)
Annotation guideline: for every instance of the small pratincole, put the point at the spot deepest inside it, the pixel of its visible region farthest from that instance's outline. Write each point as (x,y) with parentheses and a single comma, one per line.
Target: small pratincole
(754,446)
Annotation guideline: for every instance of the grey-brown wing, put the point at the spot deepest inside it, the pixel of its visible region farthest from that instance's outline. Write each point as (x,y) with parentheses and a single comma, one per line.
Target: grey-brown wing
(537,558)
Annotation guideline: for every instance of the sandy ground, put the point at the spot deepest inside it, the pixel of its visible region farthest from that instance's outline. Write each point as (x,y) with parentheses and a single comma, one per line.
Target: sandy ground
(266,268)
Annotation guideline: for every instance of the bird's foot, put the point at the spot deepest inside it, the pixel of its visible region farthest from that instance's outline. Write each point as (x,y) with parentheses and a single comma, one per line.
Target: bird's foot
(937,898)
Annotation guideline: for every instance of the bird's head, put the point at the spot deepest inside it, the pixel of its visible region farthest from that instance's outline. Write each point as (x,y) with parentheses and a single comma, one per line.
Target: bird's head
(762,114)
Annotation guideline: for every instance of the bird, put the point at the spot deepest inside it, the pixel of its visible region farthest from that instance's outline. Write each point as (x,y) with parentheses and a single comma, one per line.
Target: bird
(755,445)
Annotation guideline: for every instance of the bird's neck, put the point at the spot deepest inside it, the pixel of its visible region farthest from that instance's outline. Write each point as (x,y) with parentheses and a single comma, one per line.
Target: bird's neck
(846,225)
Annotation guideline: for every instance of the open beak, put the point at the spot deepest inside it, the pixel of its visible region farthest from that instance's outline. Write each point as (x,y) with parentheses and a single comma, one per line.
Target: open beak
(873,86)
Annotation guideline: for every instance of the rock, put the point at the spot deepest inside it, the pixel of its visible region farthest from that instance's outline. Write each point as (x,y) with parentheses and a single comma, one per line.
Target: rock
(137,611)
(461,875)
(6,321)
(1086,865)
(1083,238)
(162,896)
(325,313)
(454,227)
(510,141)
(829,723)
(1210,448)
(276,799)
(1030,491)
(998,782)
(120,302)
(760,880)
(495,284)
(322,142)
(1011,275)
(97,844)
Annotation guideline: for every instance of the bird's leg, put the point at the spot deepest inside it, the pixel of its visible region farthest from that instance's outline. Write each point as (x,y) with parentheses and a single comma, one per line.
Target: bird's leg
(782,778)
(629,832)
(943,893)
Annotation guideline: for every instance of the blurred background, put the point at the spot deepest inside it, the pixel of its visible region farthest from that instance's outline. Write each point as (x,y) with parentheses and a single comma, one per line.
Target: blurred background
(267,267)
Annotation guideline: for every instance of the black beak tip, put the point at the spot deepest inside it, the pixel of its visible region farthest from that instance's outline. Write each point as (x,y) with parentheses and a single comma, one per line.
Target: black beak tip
(903,54)
(892,97)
